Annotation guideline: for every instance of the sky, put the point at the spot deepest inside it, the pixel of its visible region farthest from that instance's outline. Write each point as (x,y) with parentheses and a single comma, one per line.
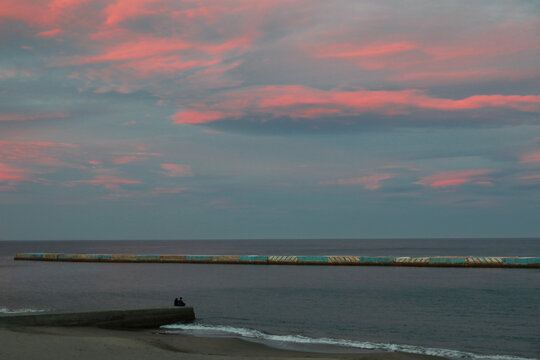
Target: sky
(237,119)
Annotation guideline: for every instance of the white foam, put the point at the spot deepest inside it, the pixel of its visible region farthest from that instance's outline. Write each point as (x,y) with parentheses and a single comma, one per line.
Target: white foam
(17,311)
(366,345)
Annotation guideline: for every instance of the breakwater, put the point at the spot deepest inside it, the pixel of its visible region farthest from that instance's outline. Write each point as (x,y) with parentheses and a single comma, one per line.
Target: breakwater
(116,318)
(435,261)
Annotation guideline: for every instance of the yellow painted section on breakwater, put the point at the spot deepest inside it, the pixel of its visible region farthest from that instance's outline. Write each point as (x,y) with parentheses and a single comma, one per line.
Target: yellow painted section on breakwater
(433,261)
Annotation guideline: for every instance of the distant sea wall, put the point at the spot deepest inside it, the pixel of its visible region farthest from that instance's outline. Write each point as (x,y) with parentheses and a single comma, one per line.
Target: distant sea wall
(435,261)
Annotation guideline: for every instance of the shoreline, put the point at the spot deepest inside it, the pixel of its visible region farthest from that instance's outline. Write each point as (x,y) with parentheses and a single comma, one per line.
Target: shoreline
(43,342)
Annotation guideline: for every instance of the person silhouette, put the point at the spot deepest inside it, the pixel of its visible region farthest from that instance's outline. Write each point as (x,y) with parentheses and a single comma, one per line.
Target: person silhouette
(179,302)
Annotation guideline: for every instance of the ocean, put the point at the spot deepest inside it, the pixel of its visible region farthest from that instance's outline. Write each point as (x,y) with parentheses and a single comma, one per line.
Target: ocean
(458,313)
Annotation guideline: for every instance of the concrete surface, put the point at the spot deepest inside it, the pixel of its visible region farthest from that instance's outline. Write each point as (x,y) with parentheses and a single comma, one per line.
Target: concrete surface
(115,318)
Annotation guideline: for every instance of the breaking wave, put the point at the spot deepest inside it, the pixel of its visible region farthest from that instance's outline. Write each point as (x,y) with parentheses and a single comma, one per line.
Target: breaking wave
(211,330)
(18,311)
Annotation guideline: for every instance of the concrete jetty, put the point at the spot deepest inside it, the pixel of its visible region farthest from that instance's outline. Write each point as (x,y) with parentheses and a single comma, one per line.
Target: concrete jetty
(117,318)
(434,261)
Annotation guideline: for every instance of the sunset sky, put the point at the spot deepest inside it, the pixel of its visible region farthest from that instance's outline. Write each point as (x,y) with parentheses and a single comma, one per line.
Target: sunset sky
(168,119)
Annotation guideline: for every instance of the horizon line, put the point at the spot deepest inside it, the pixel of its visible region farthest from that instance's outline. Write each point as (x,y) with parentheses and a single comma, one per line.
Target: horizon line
(295,239)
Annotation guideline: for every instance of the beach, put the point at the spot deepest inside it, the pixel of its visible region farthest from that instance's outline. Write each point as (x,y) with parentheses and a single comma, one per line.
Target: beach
(83,343)
(456,313)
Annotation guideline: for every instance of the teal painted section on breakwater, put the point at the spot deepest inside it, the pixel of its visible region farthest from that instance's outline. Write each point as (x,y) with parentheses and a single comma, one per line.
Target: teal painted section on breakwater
(376,260)
(253,259)
(438,261)
(196,258)
(521,261)
(145,258)
(312,259)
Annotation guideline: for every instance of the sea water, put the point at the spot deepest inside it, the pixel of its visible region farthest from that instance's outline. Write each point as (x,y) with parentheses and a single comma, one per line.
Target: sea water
(467,313)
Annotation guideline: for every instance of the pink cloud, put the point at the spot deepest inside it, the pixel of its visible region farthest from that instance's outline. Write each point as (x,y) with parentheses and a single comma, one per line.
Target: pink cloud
(20,160)
(161,54)
(176,170)
(142,47)
(459,76)
(121,160)
(12,175)
(122,10)
(197,117)
(529,103)
(482,45)
(49,33)
(370,56)
(127,9)
(372,182)
(112,13)
(179,50)
(49,14)
(125,59)
(33,12)
(354,51)
(530,158)
(9,73)
(165,64)
(301,101)
(29,150)
(315,112)
(209,14)
(63,8)
(456,178)
(378,100)
(138,61)
(128,158)
(530,179)
(220,69)
(412,48)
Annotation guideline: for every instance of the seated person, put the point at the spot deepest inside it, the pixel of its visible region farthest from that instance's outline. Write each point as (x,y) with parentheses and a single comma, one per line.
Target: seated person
(179,302)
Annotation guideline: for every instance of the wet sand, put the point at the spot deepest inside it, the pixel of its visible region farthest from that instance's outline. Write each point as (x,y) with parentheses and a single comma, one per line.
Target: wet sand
(59,343)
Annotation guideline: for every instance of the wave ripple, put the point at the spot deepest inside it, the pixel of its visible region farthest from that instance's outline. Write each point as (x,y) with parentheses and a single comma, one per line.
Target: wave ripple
(210,330)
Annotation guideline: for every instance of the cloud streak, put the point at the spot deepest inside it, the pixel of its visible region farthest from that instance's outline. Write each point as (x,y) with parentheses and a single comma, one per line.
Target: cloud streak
(176,170)
(530,158)
(109,182)
(304,102)
(371,182)
(448,179)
